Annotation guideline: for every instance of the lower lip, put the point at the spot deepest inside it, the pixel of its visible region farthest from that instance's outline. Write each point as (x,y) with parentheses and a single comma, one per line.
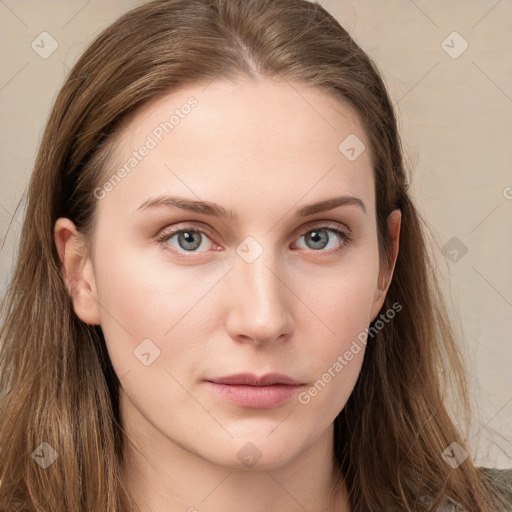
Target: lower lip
(255,397)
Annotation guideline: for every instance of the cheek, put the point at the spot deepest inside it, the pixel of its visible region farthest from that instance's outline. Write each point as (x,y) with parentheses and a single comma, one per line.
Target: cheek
(342,306)
(336,359)
(342,297)
(145,298)
(131,301)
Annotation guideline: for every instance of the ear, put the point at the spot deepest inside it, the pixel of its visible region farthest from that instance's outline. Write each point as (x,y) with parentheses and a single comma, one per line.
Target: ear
(77,271)
(386,274)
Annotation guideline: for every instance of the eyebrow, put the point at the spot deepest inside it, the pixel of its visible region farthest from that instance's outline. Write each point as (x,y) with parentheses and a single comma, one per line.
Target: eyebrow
(216,210)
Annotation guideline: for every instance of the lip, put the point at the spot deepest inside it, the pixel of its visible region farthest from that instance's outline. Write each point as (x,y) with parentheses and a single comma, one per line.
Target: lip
(249,390)
(250,379)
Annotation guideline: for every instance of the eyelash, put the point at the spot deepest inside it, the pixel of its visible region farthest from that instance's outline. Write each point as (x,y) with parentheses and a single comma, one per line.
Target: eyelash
(344,235)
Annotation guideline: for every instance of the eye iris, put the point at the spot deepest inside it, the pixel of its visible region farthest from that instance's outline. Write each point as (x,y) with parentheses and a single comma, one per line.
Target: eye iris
(319,241)
(186,238)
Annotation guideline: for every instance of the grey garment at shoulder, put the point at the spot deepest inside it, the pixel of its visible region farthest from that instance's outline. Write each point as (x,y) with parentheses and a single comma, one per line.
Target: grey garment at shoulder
(501,480)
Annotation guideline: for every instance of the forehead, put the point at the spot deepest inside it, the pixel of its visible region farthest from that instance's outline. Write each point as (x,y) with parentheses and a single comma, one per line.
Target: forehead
(230,142)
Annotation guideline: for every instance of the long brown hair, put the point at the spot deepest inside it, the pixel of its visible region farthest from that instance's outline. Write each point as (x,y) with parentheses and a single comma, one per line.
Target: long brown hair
(57,383)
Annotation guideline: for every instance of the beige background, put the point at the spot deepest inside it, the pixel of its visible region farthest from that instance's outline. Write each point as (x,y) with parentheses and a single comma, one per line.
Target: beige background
(456,116)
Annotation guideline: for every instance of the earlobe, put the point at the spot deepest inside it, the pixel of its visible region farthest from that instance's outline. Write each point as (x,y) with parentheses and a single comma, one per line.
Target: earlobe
(77,271)
(394,224)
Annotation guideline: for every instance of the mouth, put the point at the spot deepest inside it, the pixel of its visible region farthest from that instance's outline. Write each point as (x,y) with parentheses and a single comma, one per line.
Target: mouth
(253,392)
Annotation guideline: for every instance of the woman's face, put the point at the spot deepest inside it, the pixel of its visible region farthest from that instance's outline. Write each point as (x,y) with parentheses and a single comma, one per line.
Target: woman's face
(261,283)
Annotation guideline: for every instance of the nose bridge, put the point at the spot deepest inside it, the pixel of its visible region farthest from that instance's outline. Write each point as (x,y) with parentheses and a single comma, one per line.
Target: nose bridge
(260,305)
(261,278)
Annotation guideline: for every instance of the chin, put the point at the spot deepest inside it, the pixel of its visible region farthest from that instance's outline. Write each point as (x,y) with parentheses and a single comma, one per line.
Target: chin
(258,453)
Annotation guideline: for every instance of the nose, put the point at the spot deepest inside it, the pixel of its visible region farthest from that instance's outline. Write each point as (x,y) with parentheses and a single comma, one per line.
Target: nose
(260,301)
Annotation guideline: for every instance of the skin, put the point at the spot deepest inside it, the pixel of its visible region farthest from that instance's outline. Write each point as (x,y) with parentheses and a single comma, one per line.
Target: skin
(262,149)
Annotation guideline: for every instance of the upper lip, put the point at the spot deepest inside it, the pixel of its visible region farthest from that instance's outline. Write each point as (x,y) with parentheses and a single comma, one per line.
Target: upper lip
(253,380)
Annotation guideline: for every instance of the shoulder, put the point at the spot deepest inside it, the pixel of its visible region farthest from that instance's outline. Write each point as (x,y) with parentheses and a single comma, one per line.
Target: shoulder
(500,476)
(500,479)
